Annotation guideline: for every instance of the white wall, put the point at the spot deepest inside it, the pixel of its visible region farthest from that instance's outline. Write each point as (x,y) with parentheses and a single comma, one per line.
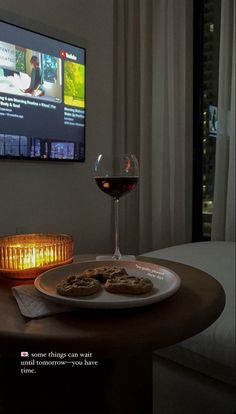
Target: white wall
(62,197)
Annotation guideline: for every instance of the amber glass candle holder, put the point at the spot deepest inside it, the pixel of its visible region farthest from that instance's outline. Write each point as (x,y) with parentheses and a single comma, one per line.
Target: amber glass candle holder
(25,256)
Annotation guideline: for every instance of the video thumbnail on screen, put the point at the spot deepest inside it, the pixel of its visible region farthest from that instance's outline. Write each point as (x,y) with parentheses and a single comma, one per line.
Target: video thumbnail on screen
(26,72)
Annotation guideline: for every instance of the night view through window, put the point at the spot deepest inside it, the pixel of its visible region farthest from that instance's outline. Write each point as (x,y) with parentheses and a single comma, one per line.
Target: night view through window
(210,96)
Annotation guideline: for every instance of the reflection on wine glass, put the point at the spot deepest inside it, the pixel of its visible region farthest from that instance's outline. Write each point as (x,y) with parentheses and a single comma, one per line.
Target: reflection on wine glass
(116,175)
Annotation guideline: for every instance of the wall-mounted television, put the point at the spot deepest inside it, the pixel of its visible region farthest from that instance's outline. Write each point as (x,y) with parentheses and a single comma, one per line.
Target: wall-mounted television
(42,96)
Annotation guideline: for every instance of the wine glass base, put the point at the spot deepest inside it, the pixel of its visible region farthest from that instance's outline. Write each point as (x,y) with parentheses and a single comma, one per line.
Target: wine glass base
(112,257)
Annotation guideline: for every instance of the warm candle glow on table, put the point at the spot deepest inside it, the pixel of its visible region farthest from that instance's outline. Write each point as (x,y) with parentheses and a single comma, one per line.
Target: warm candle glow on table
(27,255)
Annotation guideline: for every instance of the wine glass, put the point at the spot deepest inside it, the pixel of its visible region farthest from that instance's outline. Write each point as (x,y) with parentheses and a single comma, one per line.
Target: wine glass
(116,175)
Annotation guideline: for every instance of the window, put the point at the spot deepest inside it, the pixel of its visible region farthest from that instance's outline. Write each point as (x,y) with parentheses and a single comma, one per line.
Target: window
(49,65)
(206,74)
(20,59)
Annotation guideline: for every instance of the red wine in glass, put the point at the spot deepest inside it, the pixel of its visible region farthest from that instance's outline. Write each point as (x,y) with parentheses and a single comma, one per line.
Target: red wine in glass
(116,176)
(116,186)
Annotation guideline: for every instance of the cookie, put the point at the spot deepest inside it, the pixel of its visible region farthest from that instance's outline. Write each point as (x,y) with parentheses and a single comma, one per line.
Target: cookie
(129,284)
(104,273)
(78,285)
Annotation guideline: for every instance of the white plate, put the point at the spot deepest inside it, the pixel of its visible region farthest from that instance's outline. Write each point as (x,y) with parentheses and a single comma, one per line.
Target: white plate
(165,283)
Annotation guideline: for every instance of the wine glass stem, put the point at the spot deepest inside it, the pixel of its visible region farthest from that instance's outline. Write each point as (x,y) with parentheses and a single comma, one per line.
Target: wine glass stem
(117,254)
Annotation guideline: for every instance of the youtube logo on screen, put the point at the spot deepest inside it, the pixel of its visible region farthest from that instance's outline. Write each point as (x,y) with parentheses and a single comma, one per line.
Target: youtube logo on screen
(63,54)
(66,55)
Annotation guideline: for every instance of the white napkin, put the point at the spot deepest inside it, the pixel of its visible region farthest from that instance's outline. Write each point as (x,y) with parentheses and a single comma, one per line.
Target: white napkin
(33,305)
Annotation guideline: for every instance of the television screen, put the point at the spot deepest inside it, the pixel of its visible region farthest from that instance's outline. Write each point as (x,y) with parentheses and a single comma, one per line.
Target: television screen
(42,96)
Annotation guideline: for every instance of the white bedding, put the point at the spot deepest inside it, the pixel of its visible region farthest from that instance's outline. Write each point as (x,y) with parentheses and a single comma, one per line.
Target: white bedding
(217,342)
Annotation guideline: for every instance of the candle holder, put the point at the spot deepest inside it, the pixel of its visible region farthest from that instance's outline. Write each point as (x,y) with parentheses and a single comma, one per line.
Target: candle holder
(25,256)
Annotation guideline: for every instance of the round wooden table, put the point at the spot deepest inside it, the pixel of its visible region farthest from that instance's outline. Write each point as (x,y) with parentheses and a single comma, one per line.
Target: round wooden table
(121,341)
